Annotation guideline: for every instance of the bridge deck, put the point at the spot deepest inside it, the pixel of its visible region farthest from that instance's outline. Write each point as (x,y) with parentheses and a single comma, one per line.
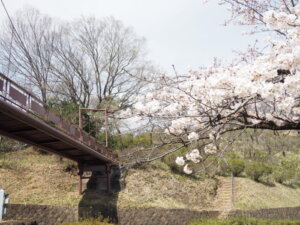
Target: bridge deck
(25,118)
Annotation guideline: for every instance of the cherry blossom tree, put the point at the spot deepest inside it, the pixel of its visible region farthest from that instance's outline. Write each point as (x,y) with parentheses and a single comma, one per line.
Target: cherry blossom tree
(262,94)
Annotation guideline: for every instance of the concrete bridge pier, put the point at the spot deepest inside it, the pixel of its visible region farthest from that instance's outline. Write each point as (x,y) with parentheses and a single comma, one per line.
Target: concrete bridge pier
(100,177)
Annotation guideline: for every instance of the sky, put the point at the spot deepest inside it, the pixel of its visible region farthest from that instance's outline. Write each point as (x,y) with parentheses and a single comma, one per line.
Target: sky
(184,33)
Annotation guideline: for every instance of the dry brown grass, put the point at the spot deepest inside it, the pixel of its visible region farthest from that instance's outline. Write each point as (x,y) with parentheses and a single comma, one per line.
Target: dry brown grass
(153,187)
(31,177)
(254,195)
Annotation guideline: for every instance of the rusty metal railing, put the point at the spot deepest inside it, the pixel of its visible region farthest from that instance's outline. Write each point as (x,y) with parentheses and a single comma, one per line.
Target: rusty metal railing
(16,95)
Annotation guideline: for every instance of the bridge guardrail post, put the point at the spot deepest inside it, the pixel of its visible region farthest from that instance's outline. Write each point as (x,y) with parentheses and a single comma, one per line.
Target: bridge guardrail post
(28,102)
(106,128)
(6,89)
(4,199)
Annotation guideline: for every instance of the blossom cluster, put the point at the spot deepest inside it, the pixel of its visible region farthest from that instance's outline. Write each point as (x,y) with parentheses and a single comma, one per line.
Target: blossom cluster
(193,156)
(262,93)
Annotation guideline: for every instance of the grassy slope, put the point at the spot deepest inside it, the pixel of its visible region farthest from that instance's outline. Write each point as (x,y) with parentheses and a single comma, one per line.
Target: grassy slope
(31,177)
(156,186)
(252,195)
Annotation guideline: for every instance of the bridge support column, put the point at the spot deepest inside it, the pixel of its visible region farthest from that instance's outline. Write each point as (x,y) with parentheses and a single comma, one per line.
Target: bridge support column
(108,181)
(80,173)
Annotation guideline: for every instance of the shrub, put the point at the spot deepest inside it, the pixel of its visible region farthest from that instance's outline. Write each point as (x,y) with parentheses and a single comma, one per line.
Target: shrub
(143,140)
(281,175)
(116,142)
(236,166)
(255,170)
(9,145)
(286,169)
(126,140)
(222,168)
(210,166)
(67,109)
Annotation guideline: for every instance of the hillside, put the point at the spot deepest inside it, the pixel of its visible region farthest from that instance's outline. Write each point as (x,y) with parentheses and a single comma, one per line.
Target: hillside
(157,186)
(253,195)
(32,177)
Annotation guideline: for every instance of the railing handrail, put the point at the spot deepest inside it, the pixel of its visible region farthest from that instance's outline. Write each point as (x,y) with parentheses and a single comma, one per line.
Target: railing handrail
(28,107)
(21,88)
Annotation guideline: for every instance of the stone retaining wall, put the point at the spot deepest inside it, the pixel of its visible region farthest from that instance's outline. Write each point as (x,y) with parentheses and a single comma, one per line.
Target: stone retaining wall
(18,222)
(290,213)
(54,215)
(162,216)
(42,214)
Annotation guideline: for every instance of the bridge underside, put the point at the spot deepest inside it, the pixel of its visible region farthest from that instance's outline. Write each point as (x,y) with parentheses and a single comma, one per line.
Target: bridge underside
(17,124)
(21,126)
(26,118)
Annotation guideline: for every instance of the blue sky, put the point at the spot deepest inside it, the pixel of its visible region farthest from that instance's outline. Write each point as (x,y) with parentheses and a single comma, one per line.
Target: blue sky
(186,33)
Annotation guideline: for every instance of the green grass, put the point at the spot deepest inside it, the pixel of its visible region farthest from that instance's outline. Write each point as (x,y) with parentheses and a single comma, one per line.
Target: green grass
(245,221)
(255,195)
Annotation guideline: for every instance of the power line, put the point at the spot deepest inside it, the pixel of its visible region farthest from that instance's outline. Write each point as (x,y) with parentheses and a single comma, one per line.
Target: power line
(11,40)
(8,16)
(14,31)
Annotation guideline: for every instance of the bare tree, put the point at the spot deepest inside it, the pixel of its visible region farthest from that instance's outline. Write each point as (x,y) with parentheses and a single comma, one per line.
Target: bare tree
(27,43)
(72,75)
(87,61)
(113,53)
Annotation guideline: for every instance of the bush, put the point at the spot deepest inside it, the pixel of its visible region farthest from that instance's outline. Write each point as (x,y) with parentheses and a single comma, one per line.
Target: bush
(223,169)
(143,140)
(126,140)
(255,170)
(244,221)
(236,166)
(281,175)
(116,142)
(286,169)
(9,145)
(210,166)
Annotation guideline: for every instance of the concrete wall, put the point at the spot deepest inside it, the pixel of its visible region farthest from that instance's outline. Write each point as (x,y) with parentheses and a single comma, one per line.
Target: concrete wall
(42,214)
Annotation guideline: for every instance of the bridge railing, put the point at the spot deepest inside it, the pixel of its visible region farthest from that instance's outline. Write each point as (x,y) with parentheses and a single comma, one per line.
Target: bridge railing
(16,95)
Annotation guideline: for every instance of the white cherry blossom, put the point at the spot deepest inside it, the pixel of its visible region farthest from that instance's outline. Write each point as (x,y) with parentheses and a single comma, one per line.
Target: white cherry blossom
(180,161)
(187,170)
